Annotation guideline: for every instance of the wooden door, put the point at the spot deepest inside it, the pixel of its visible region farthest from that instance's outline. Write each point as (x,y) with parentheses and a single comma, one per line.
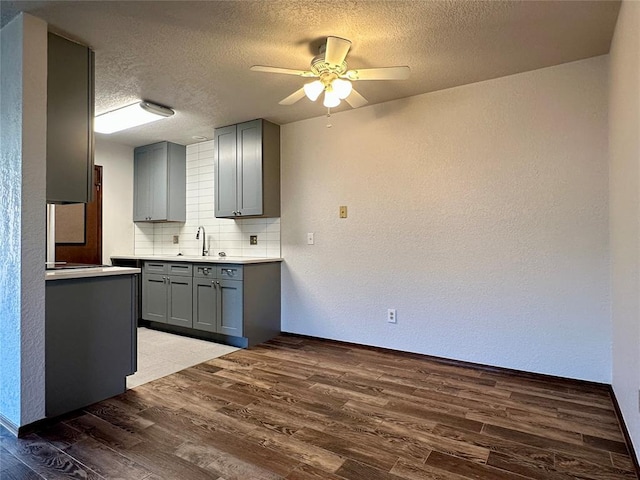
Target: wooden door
(79,228)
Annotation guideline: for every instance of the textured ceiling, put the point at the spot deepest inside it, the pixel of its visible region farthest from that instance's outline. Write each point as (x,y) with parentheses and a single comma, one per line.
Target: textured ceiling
(195,56)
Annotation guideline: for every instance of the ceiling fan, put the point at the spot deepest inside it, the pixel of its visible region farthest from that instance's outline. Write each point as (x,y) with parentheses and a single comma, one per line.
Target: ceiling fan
(333,78)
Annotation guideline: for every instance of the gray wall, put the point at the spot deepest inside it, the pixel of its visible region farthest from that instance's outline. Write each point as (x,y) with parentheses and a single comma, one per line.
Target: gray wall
(624,188)
(480,213)
(23,90)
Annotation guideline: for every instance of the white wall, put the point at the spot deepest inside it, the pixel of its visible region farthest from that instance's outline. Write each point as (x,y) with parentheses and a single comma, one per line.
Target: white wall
(624,187)
(23,127)
(117,198)
(228,235)
(478,212)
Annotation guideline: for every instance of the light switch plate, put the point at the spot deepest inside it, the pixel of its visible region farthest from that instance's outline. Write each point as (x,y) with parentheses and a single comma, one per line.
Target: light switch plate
(310,239)
(176,239)
(253,239)
(343,211)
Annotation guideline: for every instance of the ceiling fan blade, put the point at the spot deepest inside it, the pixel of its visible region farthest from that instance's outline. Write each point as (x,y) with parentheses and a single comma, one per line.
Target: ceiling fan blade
(336,50)
(286,71)
(385,73)
(293,98)
(355,99)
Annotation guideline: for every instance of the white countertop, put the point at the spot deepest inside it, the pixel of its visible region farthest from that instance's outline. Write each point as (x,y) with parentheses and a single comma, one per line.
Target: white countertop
(88,272)
(198,259)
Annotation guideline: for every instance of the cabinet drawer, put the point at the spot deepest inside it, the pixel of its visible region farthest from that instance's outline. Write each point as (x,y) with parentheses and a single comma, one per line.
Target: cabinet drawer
(230,272)
(156,267)
(205,271)
(182,269)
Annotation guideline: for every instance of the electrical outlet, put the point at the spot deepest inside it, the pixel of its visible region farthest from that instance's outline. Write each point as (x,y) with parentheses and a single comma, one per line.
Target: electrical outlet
(310,239)
(343,211)
(253,239)
(392,316)
(176,239)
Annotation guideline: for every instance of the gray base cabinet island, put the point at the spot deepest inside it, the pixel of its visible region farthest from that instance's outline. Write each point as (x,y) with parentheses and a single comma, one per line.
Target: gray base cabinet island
(236,304)
(90,337)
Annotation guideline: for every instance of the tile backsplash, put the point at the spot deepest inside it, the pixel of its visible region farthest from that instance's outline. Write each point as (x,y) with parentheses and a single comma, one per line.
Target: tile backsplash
(222,235)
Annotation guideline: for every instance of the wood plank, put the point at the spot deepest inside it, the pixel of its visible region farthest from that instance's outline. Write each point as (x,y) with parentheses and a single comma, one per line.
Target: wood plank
(13,469)
(526,468)
(578,468)
(553,445)
(380,459)
(357,471)
(418,471)
(104,460)
(46,460)
(469,469)
(221,463)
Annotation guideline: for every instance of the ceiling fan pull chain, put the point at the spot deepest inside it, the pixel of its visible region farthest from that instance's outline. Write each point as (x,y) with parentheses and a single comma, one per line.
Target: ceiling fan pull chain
(329,118)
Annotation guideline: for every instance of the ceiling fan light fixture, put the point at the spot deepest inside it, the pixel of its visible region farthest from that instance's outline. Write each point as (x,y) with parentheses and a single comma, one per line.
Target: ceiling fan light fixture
(341,87)
(331,99)
(313,90)
(130,116)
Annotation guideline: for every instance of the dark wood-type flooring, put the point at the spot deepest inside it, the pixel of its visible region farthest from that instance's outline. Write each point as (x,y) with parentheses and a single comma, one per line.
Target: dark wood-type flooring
(305,409)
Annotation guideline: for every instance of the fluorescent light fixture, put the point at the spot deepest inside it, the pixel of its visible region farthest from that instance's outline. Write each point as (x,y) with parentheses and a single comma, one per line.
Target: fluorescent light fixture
(130,116)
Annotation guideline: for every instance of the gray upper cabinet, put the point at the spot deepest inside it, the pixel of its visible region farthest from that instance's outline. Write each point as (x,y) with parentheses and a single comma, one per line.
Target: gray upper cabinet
(159,172)
(247,170)
(70,112)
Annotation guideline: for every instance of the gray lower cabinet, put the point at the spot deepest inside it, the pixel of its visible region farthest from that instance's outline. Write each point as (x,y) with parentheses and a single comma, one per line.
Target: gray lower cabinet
(205,305)
(236,304)
(179,310)
(166,296)
(154,293)
(230,307)
(90,340)
(217,306)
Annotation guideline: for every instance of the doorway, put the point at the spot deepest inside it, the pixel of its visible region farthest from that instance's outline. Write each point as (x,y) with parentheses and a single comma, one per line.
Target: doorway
(78,228)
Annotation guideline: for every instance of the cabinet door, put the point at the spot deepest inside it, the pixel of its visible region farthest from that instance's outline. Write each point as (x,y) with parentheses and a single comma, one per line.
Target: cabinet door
(158,181)
(70,150)
(154,298)
(204,304)
(141,185)
(226,172)
(230,312)
(180,301)
(249,181)
(150,173)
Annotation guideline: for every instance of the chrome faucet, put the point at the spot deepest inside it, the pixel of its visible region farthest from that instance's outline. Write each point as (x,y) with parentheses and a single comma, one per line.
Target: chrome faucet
(204,239)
